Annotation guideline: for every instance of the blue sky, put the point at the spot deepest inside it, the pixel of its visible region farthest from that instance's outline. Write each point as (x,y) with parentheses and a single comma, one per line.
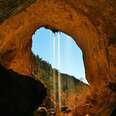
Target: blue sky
(45,44)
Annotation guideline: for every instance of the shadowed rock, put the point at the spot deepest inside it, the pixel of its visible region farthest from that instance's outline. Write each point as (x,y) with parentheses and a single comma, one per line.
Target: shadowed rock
(19,95)
(11,7)
(113,112)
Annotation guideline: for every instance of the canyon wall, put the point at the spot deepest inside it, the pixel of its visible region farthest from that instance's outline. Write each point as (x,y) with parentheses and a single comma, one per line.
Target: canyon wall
(92,24)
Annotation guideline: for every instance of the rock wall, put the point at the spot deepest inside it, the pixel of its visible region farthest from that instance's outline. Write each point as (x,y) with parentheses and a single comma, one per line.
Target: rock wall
(92,24)
(20,95)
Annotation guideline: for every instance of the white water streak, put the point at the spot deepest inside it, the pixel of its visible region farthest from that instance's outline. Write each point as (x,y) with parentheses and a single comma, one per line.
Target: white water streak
(59,75)
(54,58)
(50,56)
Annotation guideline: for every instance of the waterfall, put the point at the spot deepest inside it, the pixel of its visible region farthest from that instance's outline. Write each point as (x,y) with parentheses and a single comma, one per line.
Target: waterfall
(59,66)
(54,58)
(59,76)
(56,62)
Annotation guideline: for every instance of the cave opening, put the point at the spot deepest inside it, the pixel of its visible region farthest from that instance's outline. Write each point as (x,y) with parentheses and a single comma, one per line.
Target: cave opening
(44,41)
(60,67)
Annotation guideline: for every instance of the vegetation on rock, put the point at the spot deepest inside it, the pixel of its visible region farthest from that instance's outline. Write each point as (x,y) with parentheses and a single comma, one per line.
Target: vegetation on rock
(70,86)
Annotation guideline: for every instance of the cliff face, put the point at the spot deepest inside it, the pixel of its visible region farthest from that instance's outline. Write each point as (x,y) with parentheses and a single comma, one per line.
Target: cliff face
(92,24)
(69,90)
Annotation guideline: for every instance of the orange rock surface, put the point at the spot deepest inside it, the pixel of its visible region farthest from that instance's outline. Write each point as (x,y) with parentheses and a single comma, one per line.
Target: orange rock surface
(92,24)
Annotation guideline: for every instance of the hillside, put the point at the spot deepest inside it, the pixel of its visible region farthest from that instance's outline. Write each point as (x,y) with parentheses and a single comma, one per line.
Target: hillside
(69,90)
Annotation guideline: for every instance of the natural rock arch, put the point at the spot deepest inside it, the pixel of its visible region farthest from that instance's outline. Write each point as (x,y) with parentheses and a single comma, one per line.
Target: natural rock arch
(79,19)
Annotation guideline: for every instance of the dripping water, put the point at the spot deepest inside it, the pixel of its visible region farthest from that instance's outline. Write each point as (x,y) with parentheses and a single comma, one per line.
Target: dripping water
(53,61)
(59,76)
(59,90)
(56,88)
